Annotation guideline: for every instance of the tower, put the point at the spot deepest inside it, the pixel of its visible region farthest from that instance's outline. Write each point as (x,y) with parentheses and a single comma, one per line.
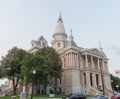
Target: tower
(59,36)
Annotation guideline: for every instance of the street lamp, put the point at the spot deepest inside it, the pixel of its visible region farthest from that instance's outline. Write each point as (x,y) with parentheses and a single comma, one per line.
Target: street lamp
(117,86)
(34,72)
(101,72)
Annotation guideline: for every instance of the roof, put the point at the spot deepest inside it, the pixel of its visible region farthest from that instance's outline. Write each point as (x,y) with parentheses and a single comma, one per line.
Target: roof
(60,30)
(71,41)
(97,52)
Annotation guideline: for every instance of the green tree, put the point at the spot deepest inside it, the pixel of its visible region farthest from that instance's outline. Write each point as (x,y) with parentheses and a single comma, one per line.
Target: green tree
(11,64)
(41,65)
(56,64)
(115,81)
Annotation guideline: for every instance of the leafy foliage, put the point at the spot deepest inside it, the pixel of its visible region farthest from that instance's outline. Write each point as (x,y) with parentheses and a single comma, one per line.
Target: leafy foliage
(116,81)
(56,65)
(11,65)
(34,62)
(18,65)
(40,65)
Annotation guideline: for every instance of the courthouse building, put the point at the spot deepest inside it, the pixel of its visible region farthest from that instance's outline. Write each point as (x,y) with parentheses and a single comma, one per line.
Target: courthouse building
(84,70)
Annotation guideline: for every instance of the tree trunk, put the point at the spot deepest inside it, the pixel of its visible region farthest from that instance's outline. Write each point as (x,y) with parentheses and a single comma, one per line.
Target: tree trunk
(14,89)
(15,84)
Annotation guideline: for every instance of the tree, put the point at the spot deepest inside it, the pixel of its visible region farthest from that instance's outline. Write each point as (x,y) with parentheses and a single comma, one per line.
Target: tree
(41,65)
(115,81)
(56,64)
(11,65)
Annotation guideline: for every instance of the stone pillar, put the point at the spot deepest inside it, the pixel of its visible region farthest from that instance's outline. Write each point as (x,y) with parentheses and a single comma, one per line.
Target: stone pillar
(77,60)
(94,81)
(98,66)
(92,61)
(100,80)
(71,60)
(66,60)
(81,62)
(107,67)
(87,82)
(87,79)
(86,60)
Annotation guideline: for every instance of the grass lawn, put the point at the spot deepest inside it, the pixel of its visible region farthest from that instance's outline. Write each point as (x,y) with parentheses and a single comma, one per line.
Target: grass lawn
(35,97)
(57,96)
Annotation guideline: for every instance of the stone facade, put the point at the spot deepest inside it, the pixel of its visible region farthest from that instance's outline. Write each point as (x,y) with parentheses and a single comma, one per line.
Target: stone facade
(83,69)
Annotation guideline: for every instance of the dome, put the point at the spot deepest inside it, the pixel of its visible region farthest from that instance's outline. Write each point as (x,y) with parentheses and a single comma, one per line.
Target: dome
(59,30)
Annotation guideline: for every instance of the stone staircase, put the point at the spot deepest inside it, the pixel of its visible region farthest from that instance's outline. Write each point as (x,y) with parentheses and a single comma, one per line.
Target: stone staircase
(94,91)
(10,91)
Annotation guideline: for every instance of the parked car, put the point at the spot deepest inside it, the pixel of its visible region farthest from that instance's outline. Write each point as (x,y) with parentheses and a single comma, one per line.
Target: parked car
(75,96)
(100,97)
(116,96)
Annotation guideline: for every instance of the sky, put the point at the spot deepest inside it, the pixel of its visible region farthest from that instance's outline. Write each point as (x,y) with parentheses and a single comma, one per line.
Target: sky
(91,21)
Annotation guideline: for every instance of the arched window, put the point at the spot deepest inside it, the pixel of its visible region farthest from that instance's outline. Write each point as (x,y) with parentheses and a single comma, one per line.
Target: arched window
(58,44)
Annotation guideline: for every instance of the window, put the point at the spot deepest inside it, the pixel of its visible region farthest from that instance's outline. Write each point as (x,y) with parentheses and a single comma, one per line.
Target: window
(58,44)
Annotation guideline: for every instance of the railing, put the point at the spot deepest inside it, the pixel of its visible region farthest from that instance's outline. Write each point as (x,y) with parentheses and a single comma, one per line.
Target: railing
(94,91)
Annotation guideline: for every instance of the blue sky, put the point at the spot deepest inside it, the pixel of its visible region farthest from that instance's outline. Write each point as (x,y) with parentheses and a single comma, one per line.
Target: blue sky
(92,21)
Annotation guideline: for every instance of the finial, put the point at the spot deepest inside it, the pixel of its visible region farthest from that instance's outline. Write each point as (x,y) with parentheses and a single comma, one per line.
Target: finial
(60,18)
(71,37)
(100,44)
(60,15)
(100,48)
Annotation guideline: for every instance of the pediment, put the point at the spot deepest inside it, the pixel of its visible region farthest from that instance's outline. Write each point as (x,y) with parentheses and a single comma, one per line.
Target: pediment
(97,52)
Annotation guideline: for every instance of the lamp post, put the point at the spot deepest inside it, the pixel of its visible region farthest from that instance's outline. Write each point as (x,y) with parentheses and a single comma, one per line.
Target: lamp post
(101,72)
(117,86)
(34,72)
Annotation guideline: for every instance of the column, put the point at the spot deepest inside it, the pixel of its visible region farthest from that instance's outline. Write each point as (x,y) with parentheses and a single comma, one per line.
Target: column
(86,60)
(100,80)
(81,62)
(72,59)
(87,78)
(92,61)
(107,67)
(69,60)
(77,60)
(94,81)
(66,60)
(98,63)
